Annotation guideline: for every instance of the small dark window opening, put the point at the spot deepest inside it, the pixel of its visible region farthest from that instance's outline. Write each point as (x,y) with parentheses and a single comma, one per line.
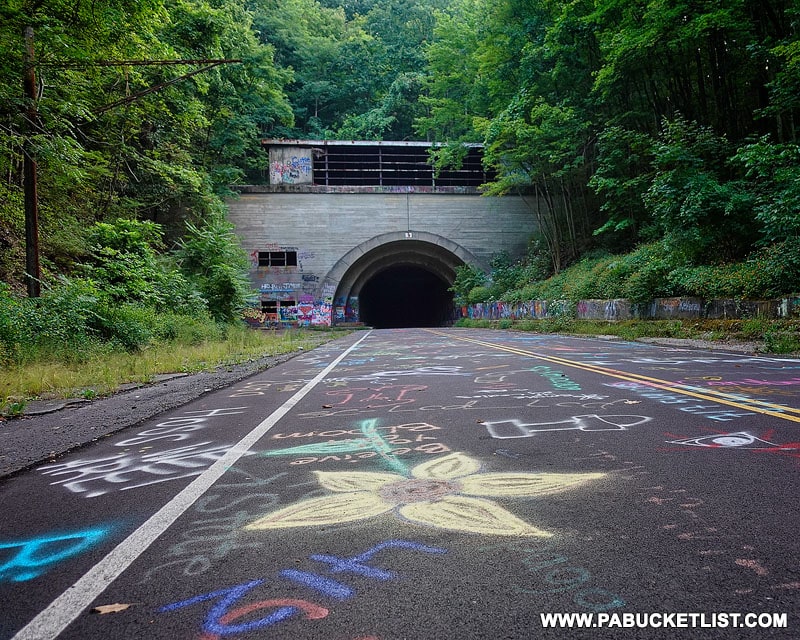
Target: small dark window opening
(277,258)
(269,306)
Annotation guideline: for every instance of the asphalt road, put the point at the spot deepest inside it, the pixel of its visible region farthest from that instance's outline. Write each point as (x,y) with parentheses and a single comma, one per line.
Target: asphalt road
(428,484)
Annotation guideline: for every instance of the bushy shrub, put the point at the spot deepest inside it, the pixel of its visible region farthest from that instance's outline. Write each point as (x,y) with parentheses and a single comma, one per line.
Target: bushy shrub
(188,329)
(56,322)
(211,257)
(467,278)
(769,272)
(479,294)
(129,325)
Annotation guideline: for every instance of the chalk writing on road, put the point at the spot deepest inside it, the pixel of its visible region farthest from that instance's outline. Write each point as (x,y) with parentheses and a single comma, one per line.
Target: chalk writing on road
(448,492)
(737,440)
(97,476)
(32,557)
(710,411)
(514,428)
(219,621)
(400,440)
(552,573)
(213,533)
(124,471)
(557,378)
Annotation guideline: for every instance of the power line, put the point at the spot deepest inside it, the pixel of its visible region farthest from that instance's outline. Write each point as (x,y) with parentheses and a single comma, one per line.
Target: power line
(88,64)
(158,87)
(32,266)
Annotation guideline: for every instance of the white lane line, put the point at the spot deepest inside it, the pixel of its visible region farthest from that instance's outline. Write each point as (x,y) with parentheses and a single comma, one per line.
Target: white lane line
(69,605)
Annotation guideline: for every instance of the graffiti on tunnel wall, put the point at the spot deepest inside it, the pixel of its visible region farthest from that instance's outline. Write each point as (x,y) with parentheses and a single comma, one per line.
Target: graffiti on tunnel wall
(290,169)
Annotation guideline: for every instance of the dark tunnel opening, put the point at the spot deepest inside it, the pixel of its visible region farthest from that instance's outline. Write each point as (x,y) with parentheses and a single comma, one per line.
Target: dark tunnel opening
(405,296)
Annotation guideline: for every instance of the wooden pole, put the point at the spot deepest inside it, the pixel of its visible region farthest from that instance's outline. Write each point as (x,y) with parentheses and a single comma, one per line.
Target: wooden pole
(32,268)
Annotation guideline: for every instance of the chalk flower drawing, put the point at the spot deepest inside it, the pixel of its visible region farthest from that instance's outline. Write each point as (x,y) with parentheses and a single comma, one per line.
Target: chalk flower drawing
(447,493)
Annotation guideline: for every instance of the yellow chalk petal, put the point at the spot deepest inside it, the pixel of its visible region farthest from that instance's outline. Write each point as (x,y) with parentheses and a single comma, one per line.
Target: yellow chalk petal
(472,515)
(523,484)
(355,480)
(328,510)
(456,465)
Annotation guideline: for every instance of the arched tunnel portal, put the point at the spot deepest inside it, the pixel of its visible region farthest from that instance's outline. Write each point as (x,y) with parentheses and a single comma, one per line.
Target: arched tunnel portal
(399,281)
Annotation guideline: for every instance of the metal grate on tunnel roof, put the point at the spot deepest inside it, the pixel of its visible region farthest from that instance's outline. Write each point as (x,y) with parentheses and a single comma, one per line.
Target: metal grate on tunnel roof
(384,164)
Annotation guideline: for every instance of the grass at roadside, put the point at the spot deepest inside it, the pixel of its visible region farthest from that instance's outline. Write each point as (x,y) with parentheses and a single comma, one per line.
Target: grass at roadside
(773,336)
(102,372)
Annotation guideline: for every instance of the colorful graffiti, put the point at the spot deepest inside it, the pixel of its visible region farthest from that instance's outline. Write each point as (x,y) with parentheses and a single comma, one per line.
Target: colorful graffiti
(401,440)
(557,378)
(34,556)
(446,493)
(219,620)
(295,169)
(308,312)
(710,411)
(738,440)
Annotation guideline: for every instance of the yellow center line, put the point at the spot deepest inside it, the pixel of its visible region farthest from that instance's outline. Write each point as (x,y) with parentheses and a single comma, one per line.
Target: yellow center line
(747,404)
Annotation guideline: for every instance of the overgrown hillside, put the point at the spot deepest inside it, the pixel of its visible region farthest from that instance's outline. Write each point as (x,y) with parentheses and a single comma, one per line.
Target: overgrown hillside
(657,140)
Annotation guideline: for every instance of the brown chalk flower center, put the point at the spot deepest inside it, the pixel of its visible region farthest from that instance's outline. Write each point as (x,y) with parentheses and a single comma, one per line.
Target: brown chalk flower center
(416,490)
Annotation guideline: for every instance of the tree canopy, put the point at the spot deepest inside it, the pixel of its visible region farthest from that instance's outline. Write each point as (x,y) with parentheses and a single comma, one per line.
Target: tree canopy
(621,122)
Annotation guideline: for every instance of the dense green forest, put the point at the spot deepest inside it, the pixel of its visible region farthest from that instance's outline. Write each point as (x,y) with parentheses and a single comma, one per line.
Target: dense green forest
(662,137)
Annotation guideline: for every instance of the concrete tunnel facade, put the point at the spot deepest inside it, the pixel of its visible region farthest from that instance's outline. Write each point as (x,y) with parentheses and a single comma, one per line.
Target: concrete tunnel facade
(326,253)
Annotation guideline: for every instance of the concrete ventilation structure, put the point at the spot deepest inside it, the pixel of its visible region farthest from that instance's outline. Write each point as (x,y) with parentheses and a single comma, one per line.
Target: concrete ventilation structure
(367,232)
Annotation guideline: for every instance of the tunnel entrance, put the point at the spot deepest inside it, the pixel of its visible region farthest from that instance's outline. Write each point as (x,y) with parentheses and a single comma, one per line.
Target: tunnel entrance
(405,296)
(398,279)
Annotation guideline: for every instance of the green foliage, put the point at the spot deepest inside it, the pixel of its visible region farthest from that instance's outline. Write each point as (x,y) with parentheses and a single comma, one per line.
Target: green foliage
(661,133)
(123,262)
(129,326)
(778,341)
(621,178)
(356,70)
(212,258)
(695,208)
(505,273)
(621,122)
(58,323)
(770,272)
(774,174)
(187,329)
(654,271)
(455,94)
(468,277)
(480,293)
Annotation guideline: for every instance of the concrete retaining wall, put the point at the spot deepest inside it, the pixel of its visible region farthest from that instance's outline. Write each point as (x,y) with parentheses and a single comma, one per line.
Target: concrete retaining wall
(621,309)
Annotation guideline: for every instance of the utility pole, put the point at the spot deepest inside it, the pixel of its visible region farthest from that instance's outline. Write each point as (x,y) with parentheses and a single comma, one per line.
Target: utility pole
(33,274)
(32,269)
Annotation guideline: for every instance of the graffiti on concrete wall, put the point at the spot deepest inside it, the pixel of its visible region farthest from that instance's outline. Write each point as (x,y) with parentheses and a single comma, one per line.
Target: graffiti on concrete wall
(290,170)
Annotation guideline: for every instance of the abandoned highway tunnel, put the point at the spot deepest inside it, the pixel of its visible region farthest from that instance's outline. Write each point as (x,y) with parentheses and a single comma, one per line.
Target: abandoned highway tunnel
(367,232)
(401,282)
(405,296)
